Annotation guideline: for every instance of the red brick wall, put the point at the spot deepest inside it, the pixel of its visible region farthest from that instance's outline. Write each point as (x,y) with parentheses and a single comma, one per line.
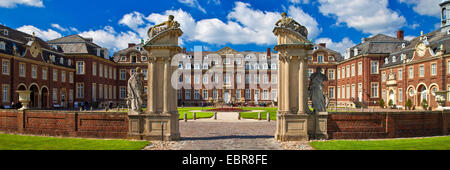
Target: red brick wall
(387,125)
(68,124)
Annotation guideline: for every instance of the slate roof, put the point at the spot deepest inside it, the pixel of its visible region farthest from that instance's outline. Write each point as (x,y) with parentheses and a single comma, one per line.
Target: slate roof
(21,40)
(378,44)
(337,56)
(76,44)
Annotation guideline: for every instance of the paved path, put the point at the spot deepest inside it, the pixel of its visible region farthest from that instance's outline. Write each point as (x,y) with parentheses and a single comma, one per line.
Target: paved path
(227,133)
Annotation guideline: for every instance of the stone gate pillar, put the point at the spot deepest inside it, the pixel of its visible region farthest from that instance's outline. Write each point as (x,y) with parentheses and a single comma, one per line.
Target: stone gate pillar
(161,116)
(293,49)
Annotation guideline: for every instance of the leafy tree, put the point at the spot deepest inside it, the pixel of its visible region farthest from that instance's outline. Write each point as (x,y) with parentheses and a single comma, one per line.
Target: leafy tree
(424,104)
(391,103)
(409,104)
(382,103)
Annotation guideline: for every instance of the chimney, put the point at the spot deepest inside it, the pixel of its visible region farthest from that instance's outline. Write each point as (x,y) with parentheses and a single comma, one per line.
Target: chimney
(324,45)
(89,39)
(184,50)
(400,35)
(269,53)
(131,45)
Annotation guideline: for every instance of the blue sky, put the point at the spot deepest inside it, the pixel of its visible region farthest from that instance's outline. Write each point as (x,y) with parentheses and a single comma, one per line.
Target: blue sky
(214,24)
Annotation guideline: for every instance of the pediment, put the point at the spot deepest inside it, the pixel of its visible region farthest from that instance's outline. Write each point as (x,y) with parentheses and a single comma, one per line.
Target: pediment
(422,50)
(226,50)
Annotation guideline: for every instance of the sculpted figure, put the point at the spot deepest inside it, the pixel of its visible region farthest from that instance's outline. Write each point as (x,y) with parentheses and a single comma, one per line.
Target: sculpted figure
(290,23)
(153,31)
(319,100)
(136,92)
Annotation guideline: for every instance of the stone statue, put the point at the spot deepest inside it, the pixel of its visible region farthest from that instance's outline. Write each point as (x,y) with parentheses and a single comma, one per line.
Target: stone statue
(136,92)
(290,23)
(155,30)
(316,89)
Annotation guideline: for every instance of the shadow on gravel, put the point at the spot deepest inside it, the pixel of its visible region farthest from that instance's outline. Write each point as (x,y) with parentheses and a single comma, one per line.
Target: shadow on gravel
(225,137)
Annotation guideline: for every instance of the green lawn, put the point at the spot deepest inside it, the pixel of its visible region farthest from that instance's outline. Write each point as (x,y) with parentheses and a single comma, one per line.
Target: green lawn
(251,115)
(190,114)
(19,142)
(435,143)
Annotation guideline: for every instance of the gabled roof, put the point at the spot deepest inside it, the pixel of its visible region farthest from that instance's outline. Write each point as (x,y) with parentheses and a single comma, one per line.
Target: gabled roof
(76,44)
(378,44)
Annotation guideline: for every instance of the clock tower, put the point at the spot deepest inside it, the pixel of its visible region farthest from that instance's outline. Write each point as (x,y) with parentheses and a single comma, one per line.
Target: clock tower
(445,15)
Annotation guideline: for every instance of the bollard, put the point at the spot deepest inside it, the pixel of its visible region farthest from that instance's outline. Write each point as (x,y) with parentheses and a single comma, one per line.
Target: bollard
(268,116)
(195,116)
(259,116)
(215,116)
(185,117)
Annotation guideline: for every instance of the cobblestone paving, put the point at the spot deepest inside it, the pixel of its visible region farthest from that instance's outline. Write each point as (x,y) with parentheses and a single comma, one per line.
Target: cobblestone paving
(228,136)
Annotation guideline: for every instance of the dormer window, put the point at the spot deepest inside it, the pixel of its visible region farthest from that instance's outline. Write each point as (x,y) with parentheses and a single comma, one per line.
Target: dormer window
(330,58)
(274,66)
(394,59)
(69,62)
(205,66)
(144,58)
(355,52)
(315,48)
(5,32)
(265,66)
(2,45)
(61,60)
(402,57)
(123,58)
(425,38)
(99,52)
(386,60)
(53,58)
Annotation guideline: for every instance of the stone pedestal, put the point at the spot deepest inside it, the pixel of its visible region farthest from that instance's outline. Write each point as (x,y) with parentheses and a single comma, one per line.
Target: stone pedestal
(154,127)
(162,98)
(292,127)
(320,123)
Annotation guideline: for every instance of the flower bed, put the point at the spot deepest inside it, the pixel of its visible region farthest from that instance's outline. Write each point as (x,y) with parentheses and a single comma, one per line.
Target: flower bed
(228,110)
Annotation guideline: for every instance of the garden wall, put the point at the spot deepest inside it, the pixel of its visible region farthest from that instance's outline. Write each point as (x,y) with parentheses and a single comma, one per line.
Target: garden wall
(65,123)
(354,125)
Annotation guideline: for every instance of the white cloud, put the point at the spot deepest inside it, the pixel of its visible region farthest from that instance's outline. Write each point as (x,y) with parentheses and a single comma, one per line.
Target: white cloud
(305,19)
(340,47)
(368,16)
(45,35)
(194,4)
(299,1)
(425,7)
(132,20)
(109,38)
(409,37)
(57,26)
(14,3)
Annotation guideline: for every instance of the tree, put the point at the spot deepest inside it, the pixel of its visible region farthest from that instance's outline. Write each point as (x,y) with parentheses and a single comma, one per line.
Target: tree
(409,104)
(382,103)
(424,104)
(391,103)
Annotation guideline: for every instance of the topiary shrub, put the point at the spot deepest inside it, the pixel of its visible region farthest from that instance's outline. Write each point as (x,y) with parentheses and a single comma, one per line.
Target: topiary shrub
(424,104)
(408,104)
(382,103)
(391,103)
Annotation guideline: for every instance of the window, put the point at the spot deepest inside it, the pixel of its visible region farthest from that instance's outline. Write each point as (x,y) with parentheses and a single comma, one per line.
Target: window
(433,69)
(187,95)
(374,67)
(411,72)
(360,68)
(144,58)
(34,71)
(100,70)
(257,96)
(44,73)
(265,95)
(348,92)
(265,79)
(330,58)
(422,71)
(343,72)
(205,94)
(105,74)
(238,94)
(70,95)
(123,74)
(338,73)
(348,71)
(274,95)
(110,92)
(94,68)
(256,79)
(400,74)
(400,95)
(63,76)
(94,92)
(123,58)
(98,52)
(383,94)
(2,46)
(5,67)
(374,90)
(448,67)
(123,92)
(55,75)
(353,91)
(196,66)
(227,80)
(274,79)
(145,71)
(196,94)
(205,79)
(247,94)
(320,59)
(70,77)
(383,76)
(215,94)
(331,74)
(105,91)
(179,94)
(100,91)
(238,78)
(331,92)
(310,72)
(5,93)
(353,70)
(338,92)
(80,67)
(55,95)
(247,79)
(196,79)
(343,92)
(187,79)
(274,66)
(115,92)
(22,70)
(115,74)
(80,90)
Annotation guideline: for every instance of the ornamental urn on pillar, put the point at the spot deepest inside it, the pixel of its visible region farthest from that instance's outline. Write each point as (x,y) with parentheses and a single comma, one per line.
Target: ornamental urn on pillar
(24,98)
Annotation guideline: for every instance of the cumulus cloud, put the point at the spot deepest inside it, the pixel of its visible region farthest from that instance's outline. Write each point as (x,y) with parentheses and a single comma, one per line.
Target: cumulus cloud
(368,16)
(45,35)
(132,20)
(299,1)
(14,3)
(425,7)
(194,4)
(107,37)
(58,27)
(340,47)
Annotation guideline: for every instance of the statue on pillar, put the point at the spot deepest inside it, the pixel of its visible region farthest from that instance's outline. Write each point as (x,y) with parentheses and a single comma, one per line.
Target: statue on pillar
(316,91)
(290,23)
(136,92)
(155,30)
